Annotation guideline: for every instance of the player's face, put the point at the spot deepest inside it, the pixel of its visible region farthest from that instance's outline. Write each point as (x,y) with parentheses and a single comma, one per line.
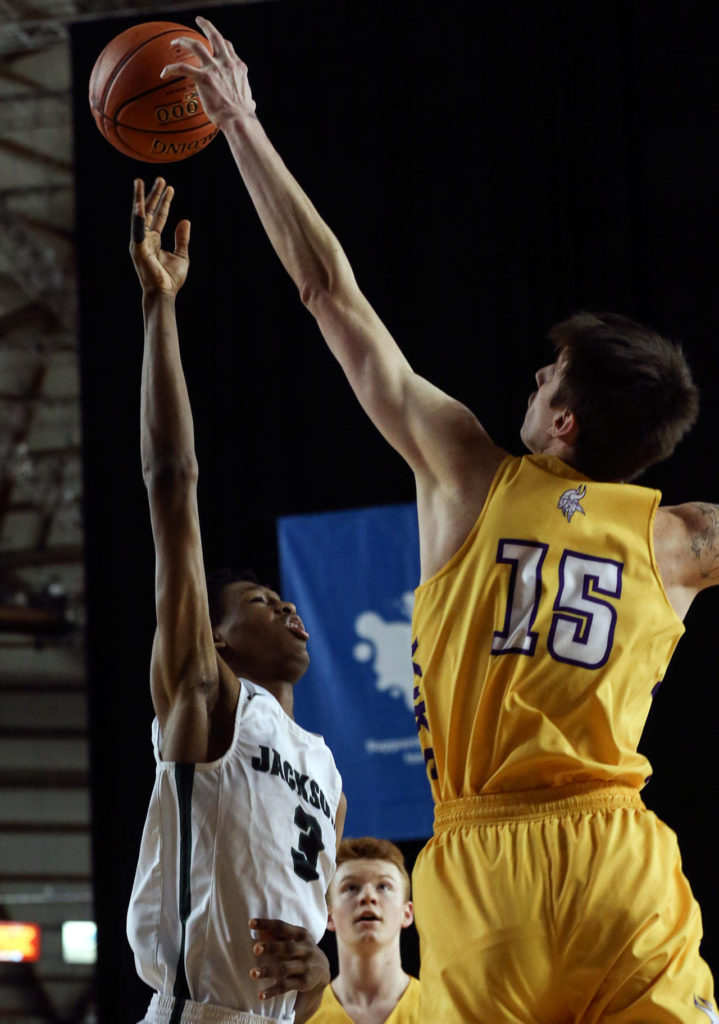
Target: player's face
(368,906)
(263,637)
(540,414)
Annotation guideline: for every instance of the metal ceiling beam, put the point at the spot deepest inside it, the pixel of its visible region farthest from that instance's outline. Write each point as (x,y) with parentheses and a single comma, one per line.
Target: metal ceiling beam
(34,315)
(38,269)
(49,188)
(44,342)
(33,156)
(19,431)
(29,36)
(9,74)
(45,778)
(66,554)
(46,227)
(19,684)
(33,621)
(43,108)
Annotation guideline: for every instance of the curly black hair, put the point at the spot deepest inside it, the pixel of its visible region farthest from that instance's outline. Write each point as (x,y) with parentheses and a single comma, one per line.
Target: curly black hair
(217,580)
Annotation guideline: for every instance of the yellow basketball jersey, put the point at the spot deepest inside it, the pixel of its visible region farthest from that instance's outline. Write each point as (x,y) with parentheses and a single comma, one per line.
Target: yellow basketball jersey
(538,647)
(406,1011)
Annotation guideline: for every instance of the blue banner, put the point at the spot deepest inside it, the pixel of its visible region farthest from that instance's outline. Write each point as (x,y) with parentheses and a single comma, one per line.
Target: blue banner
(352,575)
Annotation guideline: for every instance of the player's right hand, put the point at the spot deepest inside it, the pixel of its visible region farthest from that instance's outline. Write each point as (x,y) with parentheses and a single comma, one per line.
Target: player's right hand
(221,79)
(158,269)
(287,959)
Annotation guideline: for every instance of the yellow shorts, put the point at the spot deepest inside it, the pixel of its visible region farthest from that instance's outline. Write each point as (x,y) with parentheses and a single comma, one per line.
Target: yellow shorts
(557,907)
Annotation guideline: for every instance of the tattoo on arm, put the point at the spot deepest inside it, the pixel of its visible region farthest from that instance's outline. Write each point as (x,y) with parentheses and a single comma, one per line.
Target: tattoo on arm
(705,541)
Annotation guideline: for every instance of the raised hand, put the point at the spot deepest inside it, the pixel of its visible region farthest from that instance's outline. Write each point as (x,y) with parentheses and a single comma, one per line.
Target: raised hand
(287,958)
(221,79)
(158,269)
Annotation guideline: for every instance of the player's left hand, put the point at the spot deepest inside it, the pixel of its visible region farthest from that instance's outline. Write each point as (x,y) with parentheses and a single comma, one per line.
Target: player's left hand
(159,270)
(288,958)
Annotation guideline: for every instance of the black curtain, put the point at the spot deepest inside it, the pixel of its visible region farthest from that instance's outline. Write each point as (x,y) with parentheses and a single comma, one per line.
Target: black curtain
(489,169)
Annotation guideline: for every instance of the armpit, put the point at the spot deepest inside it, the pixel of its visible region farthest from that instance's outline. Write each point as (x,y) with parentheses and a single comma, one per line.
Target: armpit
(704,539)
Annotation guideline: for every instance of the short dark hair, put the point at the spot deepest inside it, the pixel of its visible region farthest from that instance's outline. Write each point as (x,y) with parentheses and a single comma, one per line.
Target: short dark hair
(630,389)
(370,848)
(216,581)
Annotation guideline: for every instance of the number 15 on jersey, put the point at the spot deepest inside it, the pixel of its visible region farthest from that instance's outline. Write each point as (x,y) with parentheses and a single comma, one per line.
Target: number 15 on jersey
(583,622)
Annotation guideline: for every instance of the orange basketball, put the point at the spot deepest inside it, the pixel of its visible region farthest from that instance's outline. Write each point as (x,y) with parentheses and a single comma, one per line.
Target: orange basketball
(144,116)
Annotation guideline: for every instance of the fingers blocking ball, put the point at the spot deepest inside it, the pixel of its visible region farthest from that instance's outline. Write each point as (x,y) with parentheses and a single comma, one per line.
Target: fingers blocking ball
(145,117)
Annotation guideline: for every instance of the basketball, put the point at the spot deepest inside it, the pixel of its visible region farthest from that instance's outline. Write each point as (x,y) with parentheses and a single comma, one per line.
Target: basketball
(144,116)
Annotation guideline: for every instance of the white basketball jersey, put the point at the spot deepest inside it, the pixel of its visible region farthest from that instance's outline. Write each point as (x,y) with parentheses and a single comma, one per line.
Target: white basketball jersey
(249,835)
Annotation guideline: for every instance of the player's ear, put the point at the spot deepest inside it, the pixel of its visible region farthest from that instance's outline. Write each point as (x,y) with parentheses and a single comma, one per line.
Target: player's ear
(330,922)
(564,425)
(408,914)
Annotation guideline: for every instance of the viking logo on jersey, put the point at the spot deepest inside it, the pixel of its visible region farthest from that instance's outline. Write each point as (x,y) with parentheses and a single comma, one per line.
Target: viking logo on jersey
(708,1008)
(568,504)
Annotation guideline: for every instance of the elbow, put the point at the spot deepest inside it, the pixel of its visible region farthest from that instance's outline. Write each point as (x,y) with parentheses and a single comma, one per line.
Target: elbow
(326,281)
(322,295)
(314,292)
(169,472)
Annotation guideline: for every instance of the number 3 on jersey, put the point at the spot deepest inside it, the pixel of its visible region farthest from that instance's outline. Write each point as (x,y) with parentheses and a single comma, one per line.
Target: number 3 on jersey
(582,628)
(304,860)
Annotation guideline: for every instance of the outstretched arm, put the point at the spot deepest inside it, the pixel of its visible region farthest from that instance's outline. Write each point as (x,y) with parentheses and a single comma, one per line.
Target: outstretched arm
(185,672)
(438,436)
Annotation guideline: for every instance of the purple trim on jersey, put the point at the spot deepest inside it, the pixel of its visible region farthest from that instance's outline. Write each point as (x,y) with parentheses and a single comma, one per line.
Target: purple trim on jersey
(420,719)
(503,634)
(707,1007)
(420,707)
(416,668)
(581,619)
(655,688)
(430,764)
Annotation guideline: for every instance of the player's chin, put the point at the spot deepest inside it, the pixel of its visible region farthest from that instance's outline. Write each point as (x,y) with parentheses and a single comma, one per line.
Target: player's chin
(368,927)
(296,643)
(525,436)
(297,663)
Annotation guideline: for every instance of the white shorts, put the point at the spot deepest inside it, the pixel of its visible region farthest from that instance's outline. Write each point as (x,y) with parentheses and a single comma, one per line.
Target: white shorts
(161,1009)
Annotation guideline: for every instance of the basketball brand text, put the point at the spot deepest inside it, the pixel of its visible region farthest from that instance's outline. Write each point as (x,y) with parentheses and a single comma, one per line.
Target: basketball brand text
(160,146)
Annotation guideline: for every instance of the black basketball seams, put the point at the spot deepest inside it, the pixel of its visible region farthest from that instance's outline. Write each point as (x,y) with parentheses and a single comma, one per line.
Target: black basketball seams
(127,57)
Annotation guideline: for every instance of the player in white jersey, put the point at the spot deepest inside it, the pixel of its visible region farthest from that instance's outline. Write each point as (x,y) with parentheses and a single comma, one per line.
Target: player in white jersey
(239,844)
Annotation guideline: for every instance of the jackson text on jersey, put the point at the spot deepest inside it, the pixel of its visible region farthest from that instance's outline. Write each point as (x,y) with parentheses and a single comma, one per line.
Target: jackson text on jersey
(270,760)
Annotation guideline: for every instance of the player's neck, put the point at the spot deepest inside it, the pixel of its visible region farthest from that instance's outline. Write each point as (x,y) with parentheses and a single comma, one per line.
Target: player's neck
(365,979)
(559,450)
(284,693)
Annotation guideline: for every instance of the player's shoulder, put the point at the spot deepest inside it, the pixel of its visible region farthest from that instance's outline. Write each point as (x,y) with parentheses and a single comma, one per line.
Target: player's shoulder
(695,520)
(686,543)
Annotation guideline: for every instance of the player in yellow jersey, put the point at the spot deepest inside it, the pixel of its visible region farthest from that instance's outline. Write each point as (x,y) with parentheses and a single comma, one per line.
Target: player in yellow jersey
(369,906)
(552,597)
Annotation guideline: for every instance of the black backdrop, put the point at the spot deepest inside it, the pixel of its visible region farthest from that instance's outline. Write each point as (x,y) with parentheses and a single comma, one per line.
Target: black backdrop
(489,169)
